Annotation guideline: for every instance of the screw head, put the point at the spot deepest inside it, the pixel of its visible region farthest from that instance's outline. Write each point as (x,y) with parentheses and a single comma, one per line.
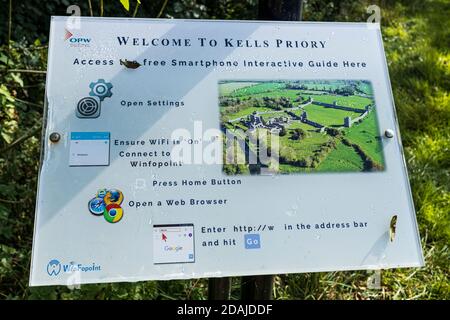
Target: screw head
(389,133)
(54,137)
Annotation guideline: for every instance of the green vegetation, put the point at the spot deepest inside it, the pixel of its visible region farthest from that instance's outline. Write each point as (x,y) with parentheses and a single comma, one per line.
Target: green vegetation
(301,125)
(351,101)
(329,117)
(343,158)
(244,112)
(267,116)
(291,150)
(272,91)
(230,88)
(366,135)
(417,39)
(364,88)
(257,88)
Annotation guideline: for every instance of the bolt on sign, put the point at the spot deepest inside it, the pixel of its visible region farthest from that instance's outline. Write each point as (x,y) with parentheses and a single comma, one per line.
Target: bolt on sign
(189,149)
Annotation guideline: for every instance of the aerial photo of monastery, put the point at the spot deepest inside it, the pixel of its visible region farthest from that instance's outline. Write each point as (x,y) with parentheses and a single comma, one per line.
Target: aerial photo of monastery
(322,125)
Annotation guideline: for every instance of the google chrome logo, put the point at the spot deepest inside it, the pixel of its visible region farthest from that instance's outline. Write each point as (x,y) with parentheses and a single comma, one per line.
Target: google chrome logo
(107,203)
(113,213)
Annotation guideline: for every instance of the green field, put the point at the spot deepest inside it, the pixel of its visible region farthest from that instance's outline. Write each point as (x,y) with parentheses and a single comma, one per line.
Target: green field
(301,125)
(328,117)
(242,113)
(366,135)
(365,88)
(351,101)
(294,150)
(256,88)
(275,93)
(344,158)
(321,85)
(228,88)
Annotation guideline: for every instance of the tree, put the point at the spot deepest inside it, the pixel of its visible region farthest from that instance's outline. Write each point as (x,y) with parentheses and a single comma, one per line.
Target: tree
(299,134)
(333,132)
(280,9)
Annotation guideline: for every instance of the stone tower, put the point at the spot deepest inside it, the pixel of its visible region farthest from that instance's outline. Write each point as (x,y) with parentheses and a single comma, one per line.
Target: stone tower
(304,116)
(347,122)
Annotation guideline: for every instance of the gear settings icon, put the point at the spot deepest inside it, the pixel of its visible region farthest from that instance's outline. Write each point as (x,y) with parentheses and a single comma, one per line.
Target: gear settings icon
(89,107)
(100,89)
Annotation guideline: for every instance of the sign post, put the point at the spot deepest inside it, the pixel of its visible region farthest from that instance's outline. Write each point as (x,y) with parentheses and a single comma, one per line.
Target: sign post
(261,287)
(184,149)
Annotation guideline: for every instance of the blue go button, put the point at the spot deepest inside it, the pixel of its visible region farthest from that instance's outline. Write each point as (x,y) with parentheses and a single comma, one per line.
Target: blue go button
(252,241)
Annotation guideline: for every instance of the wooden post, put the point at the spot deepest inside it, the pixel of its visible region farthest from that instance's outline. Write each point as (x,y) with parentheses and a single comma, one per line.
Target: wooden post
(258,287)
(281,10)
(261,287)
(219,288)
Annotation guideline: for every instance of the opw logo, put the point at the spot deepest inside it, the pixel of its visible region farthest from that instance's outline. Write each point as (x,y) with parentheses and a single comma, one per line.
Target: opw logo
(53,267)
(76,41)
(68,35)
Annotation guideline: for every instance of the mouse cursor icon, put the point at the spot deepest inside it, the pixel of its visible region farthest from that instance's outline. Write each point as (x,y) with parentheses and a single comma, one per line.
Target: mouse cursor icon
(164,237)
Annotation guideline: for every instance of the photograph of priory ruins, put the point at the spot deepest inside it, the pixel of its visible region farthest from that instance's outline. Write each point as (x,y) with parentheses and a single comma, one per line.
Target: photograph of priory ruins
(322,125)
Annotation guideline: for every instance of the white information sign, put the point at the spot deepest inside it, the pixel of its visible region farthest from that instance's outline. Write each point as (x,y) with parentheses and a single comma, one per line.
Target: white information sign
(216,148)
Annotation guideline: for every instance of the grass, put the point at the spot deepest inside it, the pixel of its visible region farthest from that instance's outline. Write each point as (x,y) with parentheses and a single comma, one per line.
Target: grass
(228,88)
(344,158)
(351,101)
(293,150)
(319,85)
(301,125)
(275,93)
(327,116)
(367,136)
(241,113)
(258,88)
(365,88)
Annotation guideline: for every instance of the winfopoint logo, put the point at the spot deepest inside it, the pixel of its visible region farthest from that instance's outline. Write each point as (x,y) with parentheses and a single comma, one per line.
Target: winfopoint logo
(54,267)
